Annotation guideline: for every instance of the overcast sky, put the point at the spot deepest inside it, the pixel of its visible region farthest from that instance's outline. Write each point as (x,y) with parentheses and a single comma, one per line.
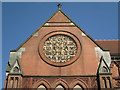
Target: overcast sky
(20,20)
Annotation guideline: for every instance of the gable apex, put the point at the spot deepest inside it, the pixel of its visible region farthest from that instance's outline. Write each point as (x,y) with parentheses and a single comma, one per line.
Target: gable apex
(55,19)
(59,17)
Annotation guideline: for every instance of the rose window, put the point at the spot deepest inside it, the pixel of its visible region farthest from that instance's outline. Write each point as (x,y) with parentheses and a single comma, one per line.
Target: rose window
(60,48)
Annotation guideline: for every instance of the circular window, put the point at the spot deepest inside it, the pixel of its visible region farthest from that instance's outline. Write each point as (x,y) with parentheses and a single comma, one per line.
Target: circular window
(60,48)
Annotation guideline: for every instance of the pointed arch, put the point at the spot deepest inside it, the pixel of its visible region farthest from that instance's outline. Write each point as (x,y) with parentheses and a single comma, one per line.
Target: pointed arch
(60,82)
(43,83)
(78,87)
(103,67)
(59,87)
(42,86)
(79,82)
(16,67)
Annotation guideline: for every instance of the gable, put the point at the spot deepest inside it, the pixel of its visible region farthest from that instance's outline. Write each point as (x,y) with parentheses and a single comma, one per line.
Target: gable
(81,54)
(59,17)
(15,67)
(103,67)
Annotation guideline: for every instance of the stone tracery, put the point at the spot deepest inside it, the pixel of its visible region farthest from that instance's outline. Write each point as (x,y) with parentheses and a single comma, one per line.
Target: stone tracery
(60,48)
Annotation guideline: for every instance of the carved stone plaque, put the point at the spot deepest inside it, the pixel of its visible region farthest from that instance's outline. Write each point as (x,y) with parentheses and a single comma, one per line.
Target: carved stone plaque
(60,48)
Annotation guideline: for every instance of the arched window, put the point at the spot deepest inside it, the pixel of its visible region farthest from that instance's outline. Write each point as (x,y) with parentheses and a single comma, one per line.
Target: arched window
(16,70)
(77,87)
(41,87)
(59,87)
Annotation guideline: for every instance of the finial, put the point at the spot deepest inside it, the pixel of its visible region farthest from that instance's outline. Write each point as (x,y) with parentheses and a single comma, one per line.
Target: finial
(59,5)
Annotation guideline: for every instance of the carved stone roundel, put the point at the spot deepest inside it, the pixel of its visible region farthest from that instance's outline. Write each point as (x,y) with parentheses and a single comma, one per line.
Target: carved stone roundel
(60,48)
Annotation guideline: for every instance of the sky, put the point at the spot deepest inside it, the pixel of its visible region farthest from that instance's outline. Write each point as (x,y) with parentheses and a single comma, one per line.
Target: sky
(20,20)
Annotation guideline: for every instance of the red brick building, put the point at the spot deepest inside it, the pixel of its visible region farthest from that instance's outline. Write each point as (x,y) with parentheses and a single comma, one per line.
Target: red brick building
(59,54)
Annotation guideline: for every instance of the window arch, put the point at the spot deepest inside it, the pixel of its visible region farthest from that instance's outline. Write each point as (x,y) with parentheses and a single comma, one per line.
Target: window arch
(78,83)
(60,83)
(41,87)
(77,87)
(42,83)
(59,87)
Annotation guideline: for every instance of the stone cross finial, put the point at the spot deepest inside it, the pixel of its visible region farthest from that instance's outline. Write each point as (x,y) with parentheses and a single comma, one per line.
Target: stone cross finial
(59,5)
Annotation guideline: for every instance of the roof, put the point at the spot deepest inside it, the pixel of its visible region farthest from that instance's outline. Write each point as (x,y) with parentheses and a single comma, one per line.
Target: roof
(112,45)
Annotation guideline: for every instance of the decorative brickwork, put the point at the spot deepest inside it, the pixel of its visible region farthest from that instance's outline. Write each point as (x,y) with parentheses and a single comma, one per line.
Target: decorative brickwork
(118,83)
(35,79)
(26,83)
(53,81)
(93,82)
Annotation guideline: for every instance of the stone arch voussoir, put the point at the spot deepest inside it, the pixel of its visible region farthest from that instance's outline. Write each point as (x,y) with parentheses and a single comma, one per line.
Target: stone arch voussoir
(42,82)
(60,82)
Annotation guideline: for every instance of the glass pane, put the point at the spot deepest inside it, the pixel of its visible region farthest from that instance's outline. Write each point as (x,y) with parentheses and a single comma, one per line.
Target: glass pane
(41,87)
(59,87)
(77,87)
